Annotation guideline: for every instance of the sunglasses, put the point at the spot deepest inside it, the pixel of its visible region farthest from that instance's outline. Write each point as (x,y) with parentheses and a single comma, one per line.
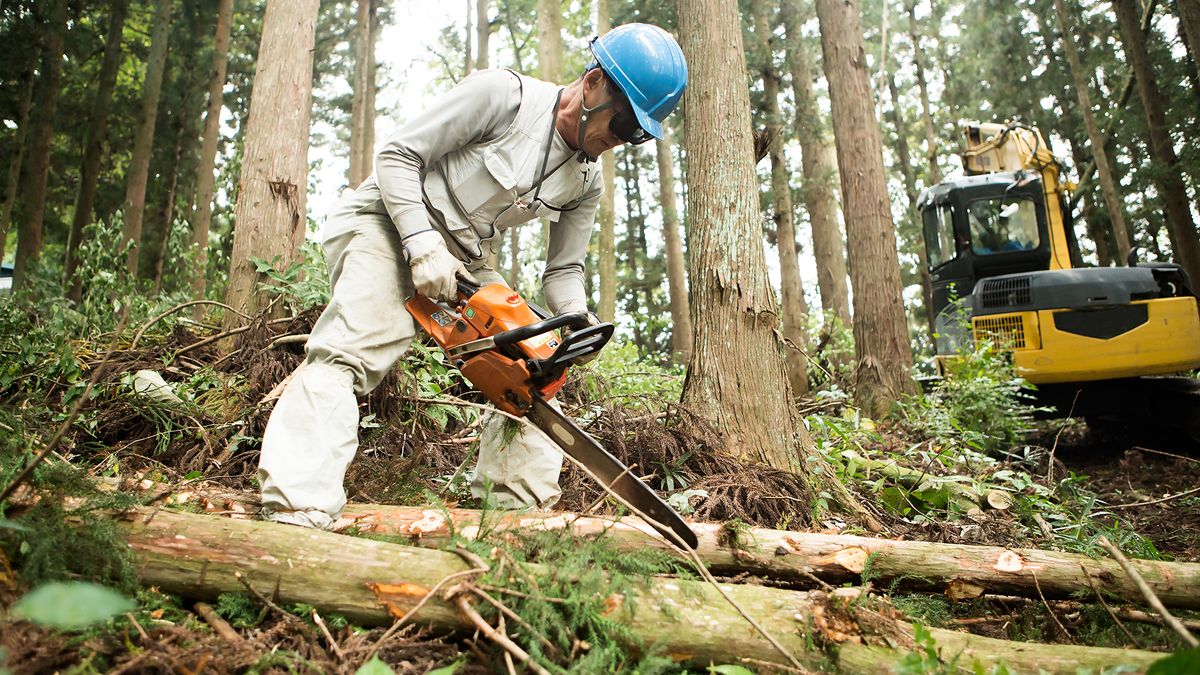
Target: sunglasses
(623,124)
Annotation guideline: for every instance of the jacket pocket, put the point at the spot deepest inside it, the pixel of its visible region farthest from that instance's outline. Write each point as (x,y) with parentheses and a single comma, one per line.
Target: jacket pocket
(491,183)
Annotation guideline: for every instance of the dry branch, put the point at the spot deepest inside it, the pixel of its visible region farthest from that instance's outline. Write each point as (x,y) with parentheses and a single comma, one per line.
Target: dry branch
(372,582)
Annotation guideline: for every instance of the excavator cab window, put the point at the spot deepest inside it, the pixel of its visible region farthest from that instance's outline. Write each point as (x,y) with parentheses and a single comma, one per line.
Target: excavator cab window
(1004,225)
(939,234)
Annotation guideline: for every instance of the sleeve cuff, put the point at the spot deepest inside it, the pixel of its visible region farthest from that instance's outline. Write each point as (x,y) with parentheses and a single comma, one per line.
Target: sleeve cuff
(420,243)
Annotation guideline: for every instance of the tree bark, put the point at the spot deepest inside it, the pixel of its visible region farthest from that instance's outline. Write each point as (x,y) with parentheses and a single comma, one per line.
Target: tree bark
(29,231)
(782,555)
(270,220)
(896,117)
(93,153)
(819,173)
(1189,21)
(468,57)
(880,333)
(633,253)
(1169,176)
(360,155)
(681,321)
(550,47)
(205,179)
(736,377)
(374,582)
(931,145)
(368,144)
(606,248)
(1108,185)
(139,163)
(18,155)
(834,558)
(483,34)
(794,308)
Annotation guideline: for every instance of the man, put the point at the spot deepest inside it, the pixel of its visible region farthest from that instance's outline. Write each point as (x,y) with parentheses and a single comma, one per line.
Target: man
(498,150)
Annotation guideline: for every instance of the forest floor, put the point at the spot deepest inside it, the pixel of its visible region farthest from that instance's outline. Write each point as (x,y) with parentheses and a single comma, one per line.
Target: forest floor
(1069,486)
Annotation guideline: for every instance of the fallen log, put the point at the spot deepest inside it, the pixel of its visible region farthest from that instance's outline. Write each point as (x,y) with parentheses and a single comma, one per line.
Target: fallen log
(962,571)
(372,582)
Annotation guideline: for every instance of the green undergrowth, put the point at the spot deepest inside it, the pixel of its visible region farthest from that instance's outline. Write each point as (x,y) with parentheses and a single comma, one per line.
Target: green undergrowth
(573,594)
(957,455)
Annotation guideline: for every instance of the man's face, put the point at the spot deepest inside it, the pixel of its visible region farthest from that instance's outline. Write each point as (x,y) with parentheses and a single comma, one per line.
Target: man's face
(602,130)
(598,137)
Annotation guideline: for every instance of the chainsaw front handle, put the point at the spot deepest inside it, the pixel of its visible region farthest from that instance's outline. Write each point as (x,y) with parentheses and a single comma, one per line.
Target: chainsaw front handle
(572,320)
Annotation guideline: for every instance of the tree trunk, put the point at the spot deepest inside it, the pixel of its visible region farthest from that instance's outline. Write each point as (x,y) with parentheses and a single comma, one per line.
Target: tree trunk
(1108,185)
(368,144)
(1169,176)
(373,583)
(360,155)
(29,231)
(139,163)
(202,217)
(514,261)
(793,305)
(468,58)
(931,145)
(607,242)
(633,275)
(1189,21)
(18,155)
(737,376)
(93,153)
(880,334)
(681,321)
(550,47)
(270,220)
(916,232)
(483,34)
(185,140)
(819,173)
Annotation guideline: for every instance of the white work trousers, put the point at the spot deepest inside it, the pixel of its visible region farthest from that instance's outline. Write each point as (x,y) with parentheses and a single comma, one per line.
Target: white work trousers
(313,431)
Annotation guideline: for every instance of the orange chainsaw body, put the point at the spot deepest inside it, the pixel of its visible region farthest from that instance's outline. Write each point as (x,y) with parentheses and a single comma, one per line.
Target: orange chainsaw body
(493,309)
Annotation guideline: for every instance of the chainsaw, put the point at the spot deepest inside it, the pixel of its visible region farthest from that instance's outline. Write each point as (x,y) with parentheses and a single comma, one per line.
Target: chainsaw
(511,351)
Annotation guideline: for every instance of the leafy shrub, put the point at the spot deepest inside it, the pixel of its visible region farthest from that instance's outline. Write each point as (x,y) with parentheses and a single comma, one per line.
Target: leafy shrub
(979,402)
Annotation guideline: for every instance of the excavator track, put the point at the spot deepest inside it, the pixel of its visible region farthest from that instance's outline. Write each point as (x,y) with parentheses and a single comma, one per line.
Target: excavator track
(1152,403)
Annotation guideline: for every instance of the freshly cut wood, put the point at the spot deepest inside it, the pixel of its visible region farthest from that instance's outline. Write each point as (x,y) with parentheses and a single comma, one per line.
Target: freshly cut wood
(372,582)
(960,570)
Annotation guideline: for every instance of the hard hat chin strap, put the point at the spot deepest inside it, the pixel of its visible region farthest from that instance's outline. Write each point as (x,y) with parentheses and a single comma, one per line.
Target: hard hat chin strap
(585,114)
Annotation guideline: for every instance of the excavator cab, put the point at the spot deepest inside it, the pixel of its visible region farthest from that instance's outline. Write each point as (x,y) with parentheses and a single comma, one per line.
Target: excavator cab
(1004,266)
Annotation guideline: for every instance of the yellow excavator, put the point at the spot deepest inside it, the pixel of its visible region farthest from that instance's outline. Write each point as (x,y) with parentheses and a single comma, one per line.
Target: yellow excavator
(1004,266)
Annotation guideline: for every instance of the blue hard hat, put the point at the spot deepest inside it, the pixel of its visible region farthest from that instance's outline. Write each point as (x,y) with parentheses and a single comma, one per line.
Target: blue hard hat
(648,66)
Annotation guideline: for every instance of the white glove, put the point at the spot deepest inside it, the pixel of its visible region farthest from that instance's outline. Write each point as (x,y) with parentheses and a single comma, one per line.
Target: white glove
(435,273)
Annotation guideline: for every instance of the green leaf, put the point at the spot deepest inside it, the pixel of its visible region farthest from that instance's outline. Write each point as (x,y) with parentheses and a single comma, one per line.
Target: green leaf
(6,524)
(375,667)
(192,475)
(1179,663)
(71,605)
(446,670)
(730,669)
